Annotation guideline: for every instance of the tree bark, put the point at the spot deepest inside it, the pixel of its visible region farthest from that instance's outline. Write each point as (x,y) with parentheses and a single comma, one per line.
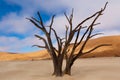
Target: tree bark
(58,67)
(69,64)
(57,71)
(67,70)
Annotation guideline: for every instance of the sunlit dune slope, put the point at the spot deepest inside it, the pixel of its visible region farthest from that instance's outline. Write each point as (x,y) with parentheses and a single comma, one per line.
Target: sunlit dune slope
(5,56)
(107,51)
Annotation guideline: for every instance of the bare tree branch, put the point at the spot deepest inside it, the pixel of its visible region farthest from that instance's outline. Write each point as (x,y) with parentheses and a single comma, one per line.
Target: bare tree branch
(43,39)
(55,49)
(35,23)
(35,19)
(71,16)
(40,46)
(66,34)
(96,24)
(96,48)
(105,6)
(89,30)
(51,23)
(86,20)
(41,21)
(69,19)
(75,44)
(56,37)
(95,34)
(66,17)
(92,15)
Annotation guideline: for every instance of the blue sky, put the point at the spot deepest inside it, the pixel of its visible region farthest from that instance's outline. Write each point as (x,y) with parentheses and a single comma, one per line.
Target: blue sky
(17,33)
(6,8)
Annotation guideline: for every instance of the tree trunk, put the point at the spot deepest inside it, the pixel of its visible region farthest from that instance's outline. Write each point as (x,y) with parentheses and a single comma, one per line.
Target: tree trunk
(58,67)
(67,70)
(58,71)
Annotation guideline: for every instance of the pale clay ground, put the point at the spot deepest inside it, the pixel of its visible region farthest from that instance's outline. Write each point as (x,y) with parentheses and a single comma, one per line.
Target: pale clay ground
(83,69)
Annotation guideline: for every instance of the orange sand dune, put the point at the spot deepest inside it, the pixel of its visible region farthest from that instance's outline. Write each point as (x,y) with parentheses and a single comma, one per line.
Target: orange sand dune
(107,51)
(6,56)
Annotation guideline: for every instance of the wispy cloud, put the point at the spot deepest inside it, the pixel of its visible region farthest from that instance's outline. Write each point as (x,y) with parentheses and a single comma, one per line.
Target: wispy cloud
(82,9)
(16,23)
(15,44)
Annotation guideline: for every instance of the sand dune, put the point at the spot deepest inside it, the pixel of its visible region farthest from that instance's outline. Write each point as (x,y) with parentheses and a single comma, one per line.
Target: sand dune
(43,54)
(108,51)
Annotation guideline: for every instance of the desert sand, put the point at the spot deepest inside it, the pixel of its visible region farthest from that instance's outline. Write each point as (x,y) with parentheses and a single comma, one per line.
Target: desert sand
(83,69)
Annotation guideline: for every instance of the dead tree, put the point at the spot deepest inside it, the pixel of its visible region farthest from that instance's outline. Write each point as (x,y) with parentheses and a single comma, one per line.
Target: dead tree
(86,36)
(55,54)
(58,54)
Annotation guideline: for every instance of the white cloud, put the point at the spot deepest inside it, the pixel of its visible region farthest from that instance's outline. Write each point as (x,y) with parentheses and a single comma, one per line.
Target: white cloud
(15,23)
(111,32)
(16,44)
(31,6)
(82,9)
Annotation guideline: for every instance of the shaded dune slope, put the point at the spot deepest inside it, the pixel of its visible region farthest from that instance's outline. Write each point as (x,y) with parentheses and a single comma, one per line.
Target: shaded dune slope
(107,51)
